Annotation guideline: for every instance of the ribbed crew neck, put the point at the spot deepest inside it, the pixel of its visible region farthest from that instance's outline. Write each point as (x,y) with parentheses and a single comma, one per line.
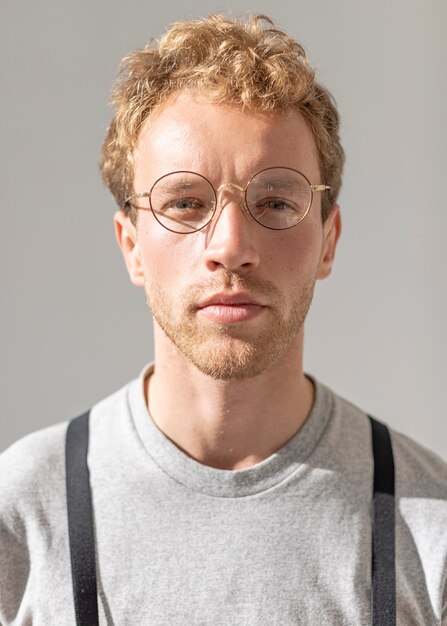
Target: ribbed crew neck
(211,481)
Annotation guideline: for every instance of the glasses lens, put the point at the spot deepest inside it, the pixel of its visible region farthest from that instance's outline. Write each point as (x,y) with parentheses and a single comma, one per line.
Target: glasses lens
(183,202)
(278,197)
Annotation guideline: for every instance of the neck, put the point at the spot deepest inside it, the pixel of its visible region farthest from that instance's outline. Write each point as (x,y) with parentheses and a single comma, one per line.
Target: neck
(228,424)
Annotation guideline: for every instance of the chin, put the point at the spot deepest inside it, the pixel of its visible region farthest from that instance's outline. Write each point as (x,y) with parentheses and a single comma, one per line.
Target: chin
(232,352)
(234,359)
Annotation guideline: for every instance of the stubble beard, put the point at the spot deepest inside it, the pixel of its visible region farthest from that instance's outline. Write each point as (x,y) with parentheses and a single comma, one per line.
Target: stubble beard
(231,352)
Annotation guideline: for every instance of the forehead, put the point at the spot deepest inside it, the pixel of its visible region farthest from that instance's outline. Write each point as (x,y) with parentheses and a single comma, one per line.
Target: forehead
(222,141)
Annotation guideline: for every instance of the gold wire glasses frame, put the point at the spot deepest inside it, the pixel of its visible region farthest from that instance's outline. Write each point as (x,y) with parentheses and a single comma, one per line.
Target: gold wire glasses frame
(185,202)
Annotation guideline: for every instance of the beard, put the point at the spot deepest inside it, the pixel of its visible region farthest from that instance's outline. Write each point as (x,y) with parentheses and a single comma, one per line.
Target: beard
(231,351)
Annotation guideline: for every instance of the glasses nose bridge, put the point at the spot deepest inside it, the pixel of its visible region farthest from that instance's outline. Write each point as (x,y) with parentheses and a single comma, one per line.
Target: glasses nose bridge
(225,186)
(230,186)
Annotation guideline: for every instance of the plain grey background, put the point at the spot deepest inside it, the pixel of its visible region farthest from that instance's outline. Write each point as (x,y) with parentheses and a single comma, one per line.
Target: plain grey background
(73,328)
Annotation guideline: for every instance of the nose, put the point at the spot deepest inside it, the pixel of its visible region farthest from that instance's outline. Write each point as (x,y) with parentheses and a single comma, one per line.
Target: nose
(231,237)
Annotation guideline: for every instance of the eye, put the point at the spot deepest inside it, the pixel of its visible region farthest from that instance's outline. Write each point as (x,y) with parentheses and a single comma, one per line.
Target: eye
(274,205)
(184,204)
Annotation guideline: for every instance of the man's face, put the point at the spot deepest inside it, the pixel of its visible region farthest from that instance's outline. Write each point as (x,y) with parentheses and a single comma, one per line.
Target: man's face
(232,298)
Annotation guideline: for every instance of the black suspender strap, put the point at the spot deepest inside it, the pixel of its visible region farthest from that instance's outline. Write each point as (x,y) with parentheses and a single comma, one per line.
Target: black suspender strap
(383,541)
(80,523)
(82,549)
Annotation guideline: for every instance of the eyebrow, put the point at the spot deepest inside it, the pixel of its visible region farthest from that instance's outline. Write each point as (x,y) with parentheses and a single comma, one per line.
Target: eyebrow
(279,184)
(178,185)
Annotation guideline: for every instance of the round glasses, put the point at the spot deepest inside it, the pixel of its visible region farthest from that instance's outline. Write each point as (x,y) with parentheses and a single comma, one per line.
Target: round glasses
(185,202)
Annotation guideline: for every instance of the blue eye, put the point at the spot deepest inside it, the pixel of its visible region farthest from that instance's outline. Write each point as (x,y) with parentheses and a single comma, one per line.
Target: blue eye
(274,205)
(183,204)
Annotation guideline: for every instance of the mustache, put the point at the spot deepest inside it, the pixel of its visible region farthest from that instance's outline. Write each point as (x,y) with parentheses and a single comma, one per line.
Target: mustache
(230,282)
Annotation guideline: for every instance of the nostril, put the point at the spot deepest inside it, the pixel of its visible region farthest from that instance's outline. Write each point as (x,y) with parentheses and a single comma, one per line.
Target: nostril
(232,245)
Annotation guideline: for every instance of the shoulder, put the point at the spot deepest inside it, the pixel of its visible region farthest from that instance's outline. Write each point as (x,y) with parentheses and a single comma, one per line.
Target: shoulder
(421,483)
(32,487)
(419,471)
(31,470)
(421,505)
(35,454)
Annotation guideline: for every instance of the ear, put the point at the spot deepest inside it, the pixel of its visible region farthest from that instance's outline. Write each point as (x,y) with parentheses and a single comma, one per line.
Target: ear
(126,235)
(331,233)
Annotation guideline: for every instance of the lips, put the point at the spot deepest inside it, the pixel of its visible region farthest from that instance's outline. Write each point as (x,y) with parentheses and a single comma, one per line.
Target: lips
(229,299)
(225,308)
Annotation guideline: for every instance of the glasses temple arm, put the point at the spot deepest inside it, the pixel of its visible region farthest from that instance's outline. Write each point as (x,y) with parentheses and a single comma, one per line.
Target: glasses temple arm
(319,187)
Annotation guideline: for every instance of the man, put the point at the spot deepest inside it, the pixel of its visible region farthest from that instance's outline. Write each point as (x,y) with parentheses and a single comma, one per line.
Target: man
(227,486)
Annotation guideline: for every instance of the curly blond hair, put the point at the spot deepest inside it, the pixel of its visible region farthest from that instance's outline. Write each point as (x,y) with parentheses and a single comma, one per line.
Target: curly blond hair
(250,63)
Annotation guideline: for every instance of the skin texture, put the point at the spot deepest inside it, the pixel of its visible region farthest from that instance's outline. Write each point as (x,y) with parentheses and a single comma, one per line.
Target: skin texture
(228,386)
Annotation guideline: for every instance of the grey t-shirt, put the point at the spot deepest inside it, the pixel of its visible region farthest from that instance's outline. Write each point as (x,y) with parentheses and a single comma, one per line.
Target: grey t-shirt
(287,541)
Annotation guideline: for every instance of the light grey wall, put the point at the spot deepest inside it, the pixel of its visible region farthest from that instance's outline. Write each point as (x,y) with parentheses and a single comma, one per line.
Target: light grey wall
(73,329)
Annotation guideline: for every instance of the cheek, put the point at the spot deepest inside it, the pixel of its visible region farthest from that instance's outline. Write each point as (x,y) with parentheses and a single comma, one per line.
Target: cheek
(296,254)
(165,256)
